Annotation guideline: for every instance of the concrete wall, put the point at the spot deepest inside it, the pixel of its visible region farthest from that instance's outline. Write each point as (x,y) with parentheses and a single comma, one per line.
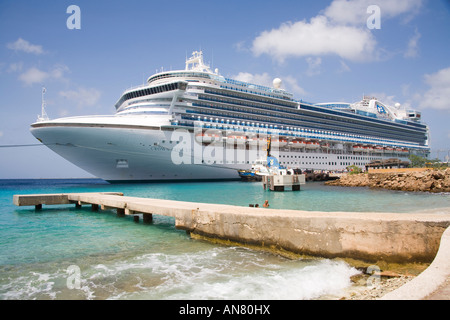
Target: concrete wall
(365,236)
(370,236)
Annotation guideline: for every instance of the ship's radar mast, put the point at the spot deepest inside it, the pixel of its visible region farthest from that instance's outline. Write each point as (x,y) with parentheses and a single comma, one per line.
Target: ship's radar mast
(43,116)
(195,63)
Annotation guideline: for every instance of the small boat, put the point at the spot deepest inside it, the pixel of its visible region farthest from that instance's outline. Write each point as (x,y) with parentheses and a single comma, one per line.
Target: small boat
(207,138)
(280,142)
(378,149)
(312,145)
(298,144)
(236,139)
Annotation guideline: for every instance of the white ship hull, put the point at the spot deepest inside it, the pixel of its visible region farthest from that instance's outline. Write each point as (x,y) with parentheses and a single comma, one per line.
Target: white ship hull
(122,150)
(128,153)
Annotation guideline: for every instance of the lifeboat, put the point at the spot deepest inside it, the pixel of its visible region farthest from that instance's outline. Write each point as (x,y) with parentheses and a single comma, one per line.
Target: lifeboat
(388,149)
(378,150)
(325,146)
(236,139)
(358,148)
(280,142)
(312,145)
(368,149)
(257,141)
(207,138)
(298,144)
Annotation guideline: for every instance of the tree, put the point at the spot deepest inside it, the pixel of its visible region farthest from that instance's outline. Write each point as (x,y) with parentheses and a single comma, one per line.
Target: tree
(353,169)
(417,161)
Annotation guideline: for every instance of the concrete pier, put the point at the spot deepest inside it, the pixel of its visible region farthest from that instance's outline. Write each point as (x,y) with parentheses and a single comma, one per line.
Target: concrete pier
(281,182)
(369,236)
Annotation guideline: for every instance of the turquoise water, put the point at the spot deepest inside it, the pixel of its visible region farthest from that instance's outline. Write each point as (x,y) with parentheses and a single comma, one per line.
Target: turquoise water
(117,258)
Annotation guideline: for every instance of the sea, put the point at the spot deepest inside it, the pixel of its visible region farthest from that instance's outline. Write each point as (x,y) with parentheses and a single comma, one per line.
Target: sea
(66,253)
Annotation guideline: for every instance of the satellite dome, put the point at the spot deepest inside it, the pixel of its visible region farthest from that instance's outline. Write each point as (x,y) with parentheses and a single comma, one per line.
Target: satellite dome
(277,83)
(397,105)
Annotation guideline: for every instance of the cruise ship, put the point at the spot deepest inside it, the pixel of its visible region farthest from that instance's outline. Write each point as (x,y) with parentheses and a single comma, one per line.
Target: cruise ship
(195,124)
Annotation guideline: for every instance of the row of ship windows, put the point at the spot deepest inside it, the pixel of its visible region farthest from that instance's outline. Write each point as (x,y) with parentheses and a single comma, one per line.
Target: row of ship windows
(179,74)
(253,92)
(247,98)
(352,130)
(358,158)
(421,126)
(350,127)
(309,135)
(339,157)
(347,117)
(323,163)
(293,163)
(310,157)
(150,91)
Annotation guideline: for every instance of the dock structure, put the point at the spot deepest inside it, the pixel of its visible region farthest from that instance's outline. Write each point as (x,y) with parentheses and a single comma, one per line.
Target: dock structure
(276,182)
(369,236)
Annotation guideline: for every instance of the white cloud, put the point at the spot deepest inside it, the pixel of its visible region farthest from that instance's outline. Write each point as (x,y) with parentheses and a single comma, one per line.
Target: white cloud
(341,29)
(411,51)
(34,75)
(25,46)
(15,67)
(261,79)
(315,38)
(293,86)
(313,66)
(82,97)
(438,96)
(354,12)
(289,83)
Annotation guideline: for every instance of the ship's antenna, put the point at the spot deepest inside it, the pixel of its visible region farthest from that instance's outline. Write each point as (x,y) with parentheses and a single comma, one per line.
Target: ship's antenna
(43,116)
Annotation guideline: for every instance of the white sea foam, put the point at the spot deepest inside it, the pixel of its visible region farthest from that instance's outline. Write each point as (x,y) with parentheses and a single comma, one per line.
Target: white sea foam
(215,273)
(243,276)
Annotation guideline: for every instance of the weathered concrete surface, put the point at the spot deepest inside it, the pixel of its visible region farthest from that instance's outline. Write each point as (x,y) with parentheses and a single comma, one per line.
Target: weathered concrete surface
(433,283)
(36,199)
(370,236)
(51,199)
(365,236)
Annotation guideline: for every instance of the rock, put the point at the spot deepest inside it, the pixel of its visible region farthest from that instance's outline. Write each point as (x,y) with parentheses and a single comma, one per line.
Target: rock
(430,180)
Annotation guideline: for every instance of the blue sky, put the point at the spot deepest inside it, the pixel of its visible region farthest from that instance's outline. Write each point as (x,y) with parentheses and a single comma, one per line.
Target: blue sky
(322,50)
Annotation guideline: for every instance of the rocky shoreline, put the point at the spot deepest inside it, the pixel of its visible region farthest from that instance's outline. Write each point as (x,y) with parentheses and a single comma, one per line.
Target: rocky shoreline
(373,292)
(429,180)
